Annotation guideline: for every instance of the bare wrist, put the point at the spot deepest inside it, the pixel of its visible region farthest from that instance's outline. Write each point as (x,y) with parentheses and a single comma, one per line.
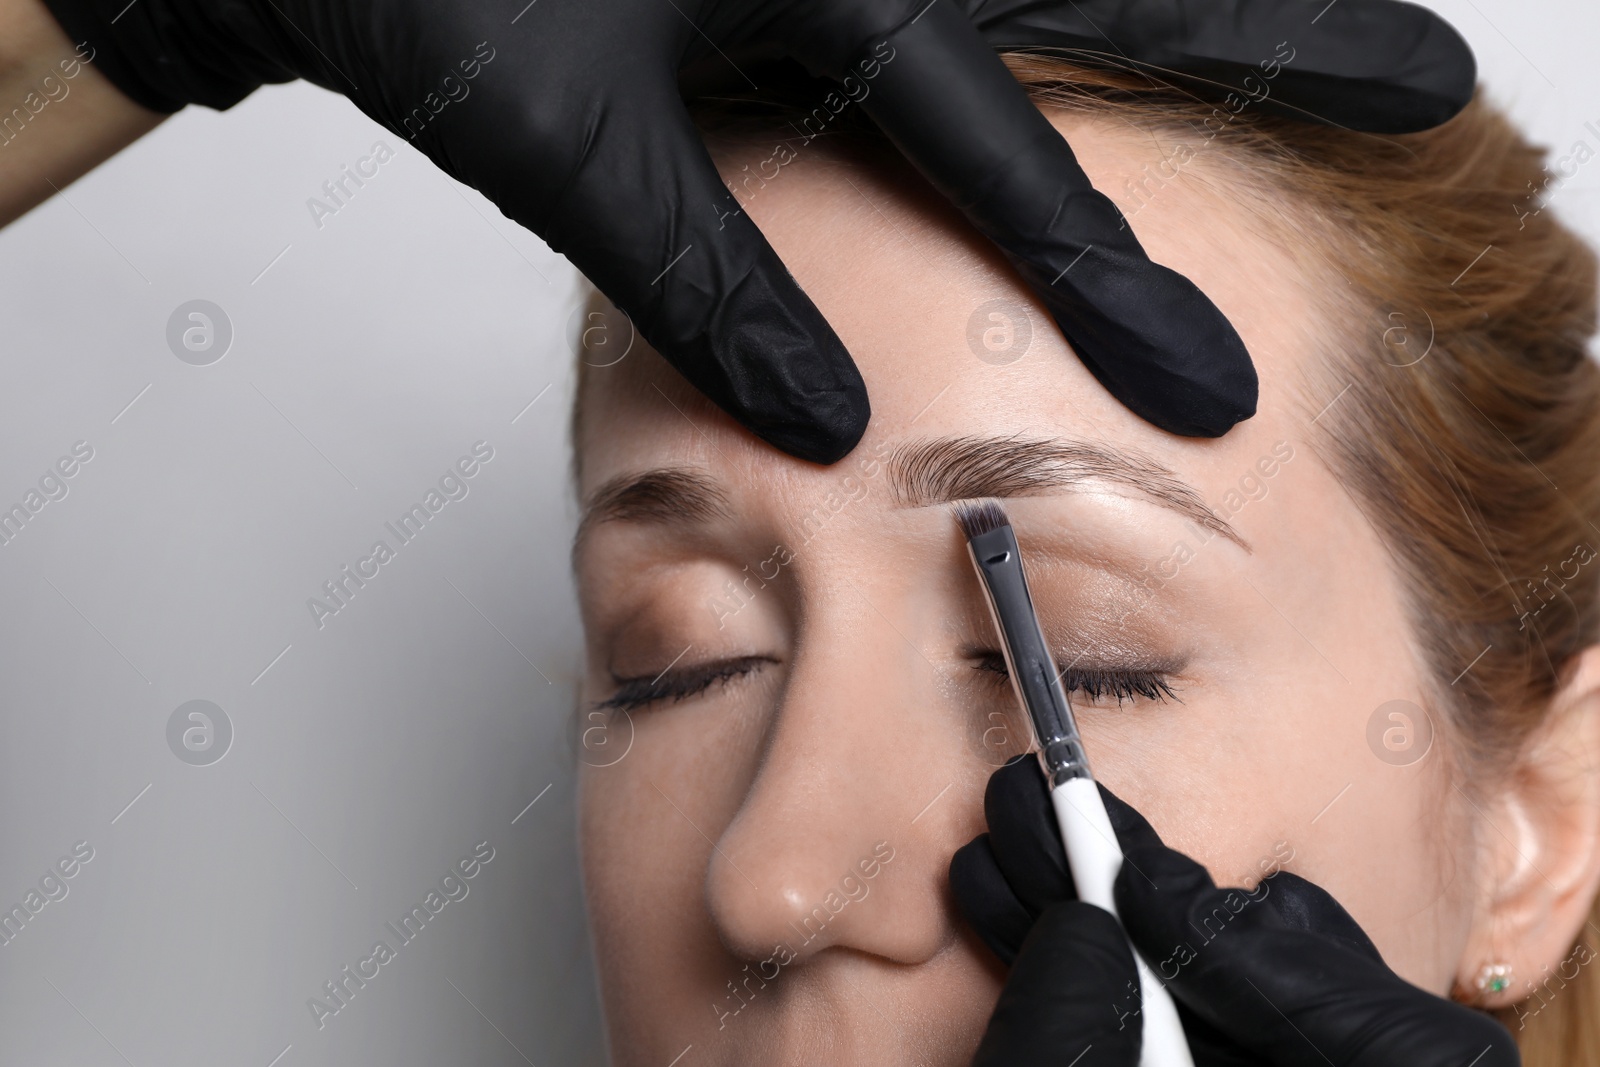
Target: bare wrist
(59,116)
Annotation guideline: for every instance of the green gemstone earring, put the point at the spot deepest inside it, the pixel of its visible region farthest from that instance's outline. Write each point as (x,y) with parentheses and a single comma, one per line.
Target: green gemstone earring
(1494,978)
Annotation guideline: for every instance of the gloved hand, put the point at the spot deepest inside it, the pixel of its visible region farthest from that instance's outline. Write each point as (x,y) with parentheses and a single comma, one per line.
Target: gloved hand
(567,115)
(1371,65)
(1277,975)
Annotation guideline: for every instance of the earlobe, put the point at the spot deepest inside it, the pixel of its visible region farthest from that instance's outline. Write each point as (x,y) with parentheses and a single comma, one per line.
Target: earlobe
(1540,840)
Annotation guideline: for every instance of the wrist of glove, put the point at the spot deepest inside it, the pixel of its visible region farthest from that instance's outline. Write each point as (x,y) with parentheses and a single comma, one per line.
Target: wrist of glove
(1277,975)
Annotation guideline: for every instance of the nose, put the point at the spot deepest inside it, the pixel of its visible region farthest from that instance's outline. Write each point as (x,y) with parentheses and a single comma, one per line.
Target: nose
(836,844)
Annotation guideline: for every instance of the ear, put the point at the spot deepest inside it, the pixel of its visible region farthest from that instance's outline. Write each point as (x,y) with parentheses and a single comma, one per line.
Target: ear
(1539,847)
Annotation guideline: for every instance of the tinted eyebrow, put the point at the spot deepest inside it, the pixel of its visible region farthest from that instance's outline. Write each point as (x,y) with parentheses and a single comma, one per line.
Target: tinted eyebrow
(664,495)
(943,469)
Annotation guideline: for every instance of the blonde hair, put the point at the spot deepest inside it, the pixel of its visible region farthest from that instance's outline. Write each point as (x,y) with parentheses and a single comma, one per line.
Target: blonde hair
(1465,413)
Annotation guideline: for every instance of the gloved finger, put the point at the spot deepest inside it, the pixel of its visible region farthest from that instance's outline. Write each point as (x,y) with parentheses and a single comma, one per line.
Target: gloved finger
(1021,863)
(1376,65)
(639,208)
(1147,333)
(1071,997)
(1303,905)
(986,901)
(1288,995)
(1132,829)
(1003,879)
(1024,838)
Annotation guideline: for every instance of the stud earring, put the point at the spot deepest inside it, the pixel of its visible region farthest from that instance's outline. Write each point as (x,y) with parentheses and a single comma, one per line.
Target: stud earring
(1493,978)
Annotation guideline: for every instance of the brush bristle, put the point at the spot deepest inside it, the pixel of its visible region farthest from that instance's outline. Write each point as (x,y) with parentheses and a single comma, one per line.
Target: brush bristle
(980,517)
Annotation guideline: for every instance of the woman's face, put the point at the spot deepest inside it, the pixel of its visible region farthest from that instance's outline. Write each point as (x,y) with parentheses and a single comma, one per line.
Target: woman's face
(801,705)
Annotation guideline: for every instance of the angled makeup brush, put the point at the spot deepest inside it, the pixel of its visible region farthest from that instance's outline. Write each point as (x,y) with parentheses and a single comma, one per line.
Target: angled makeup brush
(1092,849)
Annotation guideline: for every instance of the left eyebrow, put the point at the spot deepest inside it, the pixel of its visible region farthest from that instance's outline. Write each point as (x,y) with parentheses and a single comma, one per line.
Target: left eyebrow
(665,496)
(945,469)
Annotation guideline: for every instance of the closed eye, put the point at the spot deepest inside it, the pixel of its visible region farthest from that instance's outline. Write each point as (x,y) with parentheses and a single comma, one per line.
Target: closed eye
(1097,683)
(679,684)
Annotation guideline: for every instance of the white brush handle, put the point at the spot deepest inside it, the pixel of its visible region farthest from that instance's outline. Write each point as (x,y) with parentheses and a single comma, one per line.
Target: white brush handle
(1095,857)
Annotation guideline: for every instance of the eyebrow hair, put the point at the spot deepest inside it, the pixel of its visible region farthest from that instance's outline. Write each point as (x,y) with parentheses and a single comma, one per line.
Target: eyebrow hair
(663,495)
(922,473)
(944,469)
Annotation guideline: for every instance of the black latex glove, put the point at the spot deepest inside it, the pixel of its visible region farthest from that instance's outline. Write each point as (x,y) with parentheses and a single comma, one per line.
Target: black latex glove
(566,114)
(1280,975)
(1371,65)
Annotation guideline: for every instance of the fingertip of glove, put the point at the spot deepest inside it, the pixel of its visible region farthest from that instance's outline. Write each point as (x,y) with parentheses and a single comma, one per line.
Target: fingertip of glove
(1304,905)
(985,900)
(1432,76)
(770,359)
(1018,779)
(1220,387)
(1017,797)
(1454,71)
(1151,872)
(1133,830)
(1160,346)
(809,401)
(830,430)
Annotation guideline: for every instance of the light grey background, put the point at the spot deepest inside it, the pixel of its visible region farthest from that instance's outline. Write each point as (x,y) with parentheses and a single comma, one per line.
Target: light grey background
(369,755)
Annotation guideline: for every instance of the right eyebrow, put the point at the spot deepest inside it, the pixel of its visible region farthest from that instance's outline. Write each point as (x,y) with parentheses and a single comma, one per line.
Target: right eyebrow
(663,495)
(939,470)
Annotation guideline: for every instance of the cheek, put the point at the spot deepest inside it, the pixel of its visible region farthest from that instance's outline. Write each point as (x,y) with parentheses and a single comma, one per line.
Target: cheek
(634,893)
(1399,860)
(646,862)
(1287,779)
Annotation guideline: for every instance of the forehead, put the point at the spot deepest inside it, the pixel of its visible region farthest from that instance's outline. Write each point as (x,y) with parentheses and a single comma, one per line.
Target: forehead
(949,341)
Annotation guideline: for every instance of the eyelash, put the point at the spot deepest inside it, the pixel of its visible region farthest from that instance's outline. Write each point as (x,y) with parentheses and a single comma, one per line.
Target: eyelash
(1097,682)
(1093,682)
(635,693)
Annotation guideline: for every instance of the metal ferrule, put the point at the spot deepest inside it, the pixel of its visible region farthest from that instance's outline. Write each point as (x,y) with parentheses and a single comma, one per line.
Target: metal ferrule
(1028,659)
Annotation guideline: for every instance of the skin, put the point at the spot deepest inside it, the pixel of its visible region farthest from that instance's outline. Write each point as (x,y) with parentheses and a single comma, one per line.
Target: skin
(869,720)
(866,732)
(64,117)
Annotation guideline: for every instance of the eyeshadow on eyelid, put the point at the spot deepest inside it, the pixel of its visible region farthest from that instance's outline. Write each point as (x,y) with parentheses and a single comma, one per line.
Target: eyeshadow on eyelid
(1104,616)
(1083,591)
(1113,626)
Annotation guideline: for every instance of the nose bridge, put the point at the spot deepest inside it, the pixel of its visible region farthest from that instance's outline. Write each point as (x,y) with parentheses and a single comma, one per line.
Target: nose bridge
(823,849)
